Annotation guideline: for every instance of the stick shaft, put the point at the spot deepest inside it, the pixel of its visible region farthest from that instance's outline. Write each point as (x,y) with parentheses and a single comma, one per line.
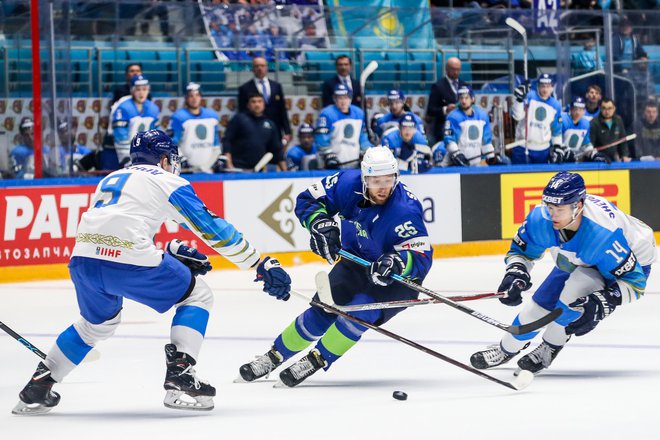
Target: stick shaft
(22,340)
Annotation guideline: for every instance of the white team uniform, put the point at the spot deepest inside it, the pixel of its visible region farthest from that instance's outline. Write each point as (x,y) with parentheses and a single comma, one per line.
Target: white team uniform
(197,137)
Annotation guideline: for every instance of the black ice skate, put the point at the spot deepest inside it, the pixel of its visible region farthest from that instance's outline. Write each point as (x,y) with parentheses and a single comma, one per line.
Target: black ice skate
(261,366)
(492,356)
(37,397)
(184,389)
(302,369)
(538,359)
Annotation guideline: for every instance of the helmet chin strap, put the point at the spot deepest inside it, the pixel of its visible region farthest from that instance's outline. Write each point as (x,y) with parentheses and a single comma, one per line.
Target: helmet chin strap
(576,213)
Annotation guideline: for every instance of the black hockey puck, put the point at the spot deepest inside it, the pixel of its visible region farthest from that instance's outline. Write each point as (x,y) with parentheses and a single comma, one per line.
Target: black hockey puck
(400,395)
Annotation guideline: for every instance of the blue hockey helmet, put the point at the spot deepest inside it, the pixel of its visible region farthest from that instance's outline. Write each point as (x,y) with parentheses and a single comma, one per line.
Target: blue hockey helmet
(578,102)
(408,120)
(545,78)
(564,189)
(394,95)
(139,80)
(465,90)
(305,128)
(342,90)
(148,147)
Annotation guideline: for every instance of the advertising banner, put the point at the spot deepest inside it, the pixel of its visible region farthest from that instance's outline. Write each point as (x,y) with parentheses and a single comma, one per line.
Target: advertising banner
(520,193)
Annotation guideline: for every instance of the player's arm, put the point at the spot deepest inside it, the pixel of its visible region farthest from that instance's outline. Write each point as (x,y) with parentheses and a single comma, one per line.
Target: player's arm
(555,128)
(120,129)
(487,149)
(177,128)
(518,107)
(364,136)
(323,132)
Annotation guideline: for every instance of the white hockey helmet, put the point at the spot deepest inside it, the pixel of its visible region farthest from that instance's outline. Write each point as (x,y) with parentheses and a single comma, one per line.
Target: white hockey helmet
(378,161)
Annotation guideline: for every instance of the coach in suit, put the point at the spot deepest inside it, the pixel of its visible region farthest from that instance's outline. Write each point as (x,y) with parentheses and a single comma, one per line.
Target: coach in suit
(443,98)
(273,97)
(343,67)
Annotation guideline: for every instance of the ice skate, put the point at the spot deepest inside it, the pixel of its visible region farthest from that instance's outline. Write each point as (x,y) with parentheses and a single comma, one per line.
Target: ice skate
(260,367)
(184,389)
(540,358)
(301,370)
(37,398)
(493,356)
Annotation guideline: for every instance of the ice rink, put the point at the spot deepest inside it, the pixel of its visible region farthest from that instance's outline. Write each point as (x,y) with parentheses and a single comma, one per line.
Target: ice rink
(604,385)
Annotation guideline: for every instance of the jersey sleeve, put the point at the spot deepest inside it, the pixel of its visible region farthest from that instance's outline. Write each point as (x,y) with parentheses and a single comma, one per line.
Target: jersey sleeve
(323,130)
(120,127)
(452,134)
(487,149)
(320,198)
(555,127)
(177,128)
(531,240)
(216,232)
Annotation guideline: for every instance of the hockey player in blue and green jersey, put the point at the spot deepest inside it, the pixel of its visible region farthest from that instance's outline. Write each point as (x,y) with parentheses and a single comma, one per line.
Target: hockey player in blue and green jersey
(381,221)
(602,259)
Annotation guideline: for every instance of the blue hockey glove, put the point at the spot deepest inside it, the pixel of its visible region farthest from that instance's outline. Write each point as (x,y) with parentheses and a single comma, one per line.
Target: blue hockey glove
(458,159)
(594,307)
(516,280)
(324,239)
(386,265)
(197,262)
(424,163)
(439,152)
(521,92)
(600,157)
(277,282)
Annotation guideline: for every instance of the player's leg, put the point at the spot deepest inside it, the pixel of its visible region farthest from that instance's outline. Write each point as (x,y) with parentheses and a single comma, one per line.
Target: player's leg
(539,156)
(100,316)
(518,156)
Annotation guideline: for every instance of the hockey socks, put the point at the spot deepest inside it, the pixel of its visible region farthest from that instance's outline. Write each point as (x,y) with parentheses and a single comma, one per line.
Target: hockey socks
(189,328)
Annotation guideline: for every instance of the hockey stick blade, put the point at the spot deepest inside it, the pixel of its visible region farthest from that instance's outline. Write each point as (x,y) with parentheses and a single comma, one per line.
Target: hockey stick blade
(263,162)
(366,73)
(518,383)
(516,26)
(513,329)
(323,288)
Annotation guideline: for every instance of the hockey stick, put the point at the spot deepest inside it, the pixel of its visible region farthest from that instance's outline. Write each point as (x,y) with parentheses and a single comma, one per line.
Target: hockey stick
(412,302)
(364,76)
(513,329)
(93,355)
(630,137)
(263,162)
(516,26)
(520,382)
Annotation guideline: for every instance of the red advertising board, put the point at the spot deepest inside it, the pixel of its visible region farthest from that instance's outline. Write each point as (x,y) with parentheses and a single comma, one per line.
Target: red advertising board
(38,223)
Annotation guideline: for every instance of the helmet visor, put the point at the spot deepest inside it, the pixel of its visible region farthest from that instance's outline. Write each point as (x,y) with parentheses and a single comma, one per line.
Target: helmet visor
(175,163)
(379,182)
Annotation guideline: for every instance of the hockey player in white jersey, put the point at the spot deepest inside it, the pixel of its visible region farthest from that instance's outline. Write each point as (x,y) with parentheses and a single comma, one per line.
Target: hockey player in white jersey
(129,116)
(340,133)
(539,127)
(115,258)
(575,131)
(195,131)
(468,136)
(602,259)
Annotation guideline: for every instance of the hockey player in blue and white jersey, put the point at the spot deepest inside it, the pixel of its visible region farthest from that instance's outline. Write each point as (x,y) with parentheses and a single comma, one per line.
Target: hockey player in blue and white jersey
(398,108)
(575,131)
(468,136)
(602,259)
(409,145)
(340,133)
(115,258)
(195,131)
(129,116)
(539,127)
(381,221)
(295,156)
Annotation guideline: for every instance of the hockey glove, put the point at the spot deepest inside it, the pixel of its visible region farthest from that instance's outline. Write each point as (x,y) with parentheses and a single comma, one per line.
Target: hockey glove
(277,282)
(521,92)
(424,163)
(325,240)
(197,262)
(439,153)
(516,280)
(330,161)
(557,154)
(594,307)
(386,265)
(600,157)
(458,159)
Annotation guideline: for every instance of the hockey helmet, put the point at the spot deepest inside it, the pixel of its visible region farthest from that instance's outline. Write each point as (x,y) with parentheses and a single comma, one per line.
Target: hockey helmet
(545,78)
(394,95)
(193,87)
(378,161)
(408,120)
(139,80)
(148,147)
(578,102)
(465,90)
(342,90)
(305,128)
(564,189)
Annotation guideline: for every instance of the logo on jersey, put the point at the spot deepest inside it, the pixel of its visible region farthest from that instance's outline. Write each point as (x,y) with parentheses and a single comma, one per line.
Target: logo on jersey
(201,132)
(473,133)
(522,244)
(540,114)
(417,244)
(627,266)
(349,131)
(279,216)
(573,141)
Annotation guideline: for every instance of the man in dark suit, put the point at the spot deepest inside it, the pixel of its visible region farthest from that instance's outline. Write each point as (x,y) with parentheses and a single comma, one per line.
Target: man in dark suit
(273,97)
(443,98)
(343,66)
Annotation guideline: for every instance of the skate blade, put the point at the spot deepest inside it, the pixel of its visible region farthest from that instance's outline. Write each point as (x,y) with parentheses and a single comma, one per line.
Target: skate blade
(181,400)
(30,409)
(280,384)
(240,379)
(523,379)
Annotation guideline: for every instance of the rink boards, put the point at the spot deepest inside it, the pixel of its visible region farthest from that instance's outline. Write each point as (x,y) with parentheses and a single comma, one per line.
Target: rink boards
(468,213)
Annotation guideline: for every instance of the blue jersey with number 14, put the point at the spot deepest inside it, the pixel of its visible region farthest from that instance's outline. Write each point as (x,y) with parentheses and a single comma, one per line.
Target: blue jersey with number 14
(371,230)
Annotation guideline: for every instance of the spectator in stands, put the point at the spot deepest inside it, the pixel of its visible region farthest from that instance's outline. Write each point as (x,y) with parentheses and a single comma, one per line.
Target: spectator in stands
(647,144)
(343,67)
(443,98)
(585,60)
(309,40)
(22,155)
(132,70)
(299,157)
(250,135)
(277,41)
(273,96)
(626,48)
(608,128)
(69,152)
(592,98)
(195,130)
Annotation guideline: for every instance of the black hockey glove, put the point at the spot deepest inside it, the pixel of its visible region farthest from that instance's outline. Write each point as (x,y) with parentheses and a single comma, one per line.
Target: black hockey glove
(516,280)
(557,154)
(386,265)
(325,240)
(197,262)
(277,282)
(521,92)
(600,157)
(330,161)
(594,307)
(458,159)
